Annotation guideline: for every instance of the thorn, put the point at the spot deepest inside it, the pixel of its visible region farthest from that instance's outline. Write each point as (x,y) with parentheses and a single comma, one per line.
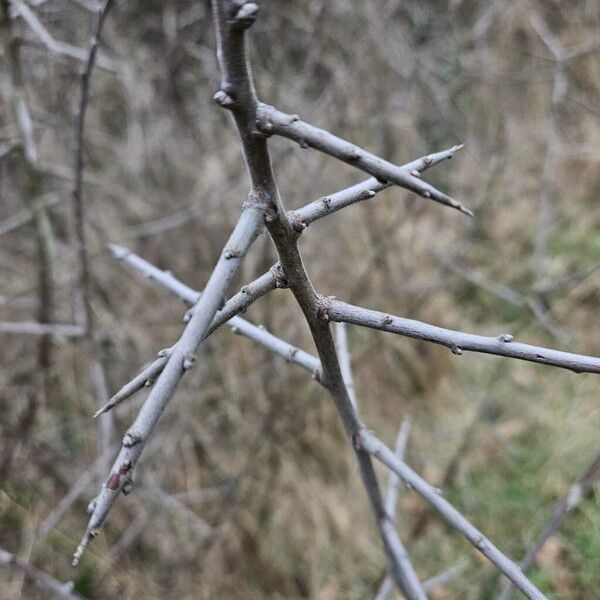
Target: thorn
(456,350)
(464,209)
(118,251)
(87,536)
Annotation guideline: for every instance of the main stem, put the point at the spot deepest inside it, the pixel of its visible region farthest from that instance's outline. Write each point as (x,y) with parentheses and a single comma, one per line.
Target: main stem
(238,95)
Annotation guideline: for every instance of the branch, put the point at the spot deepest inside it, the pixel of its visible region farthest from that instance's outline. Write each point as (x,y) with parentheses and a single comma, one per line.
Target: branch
(271,120)
(341,342)
(43,581)
(239,303)
(458,341)
(369,443)
(97,375)
(391,499)
(178,362)
(366,189)
(566,505)
(401,568)
(33,328)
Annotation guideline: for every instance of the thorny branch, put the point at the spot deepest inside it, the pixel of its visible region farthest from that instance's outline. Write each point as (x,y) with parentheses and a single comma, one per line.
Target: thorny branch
(255,123)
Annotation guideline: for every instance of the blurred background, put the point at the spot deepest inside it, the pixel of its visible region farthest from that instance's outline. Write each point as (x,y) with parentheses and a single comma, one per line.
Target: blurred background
(248,488)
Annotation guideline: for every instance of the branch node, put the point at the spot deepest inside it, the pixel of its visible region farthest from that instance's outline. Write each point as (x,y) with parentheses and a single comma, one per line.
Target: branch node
(229,253)
(281,281)
(426,194)
(303,144)
(131,438)
(352,153)
(387,320)
(223,99)
(456,350)
(505,337)
(323,303)
(188,361)
(298,225)
(245,15)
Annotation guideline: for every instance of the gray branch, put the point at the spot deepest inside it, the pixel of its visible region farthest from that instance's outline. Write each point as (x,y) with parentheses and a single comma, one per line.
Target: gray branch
(272,121)
(457,341)
(178,362)
(368,442)
(240,302)
(34,328)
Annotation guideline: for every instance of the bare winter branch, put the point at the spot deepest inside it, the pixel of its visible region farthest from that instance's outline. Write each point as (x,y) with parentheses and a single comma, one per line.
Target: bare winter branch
(368,442)
(457,341)
(273,121)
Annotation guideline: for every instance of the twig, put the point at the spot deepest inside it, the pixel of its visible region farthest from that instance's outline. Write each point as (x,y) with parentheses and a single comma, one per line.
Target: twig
(391,498)
(180,360)
(457,341)
(96,370)
(368,442)
(400,564)
(33,328)
(341,342)
(237,324)
(366,189)
(39,213)
(272,121)
(566,505)
(56,46)
(43,581)
(25,216)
